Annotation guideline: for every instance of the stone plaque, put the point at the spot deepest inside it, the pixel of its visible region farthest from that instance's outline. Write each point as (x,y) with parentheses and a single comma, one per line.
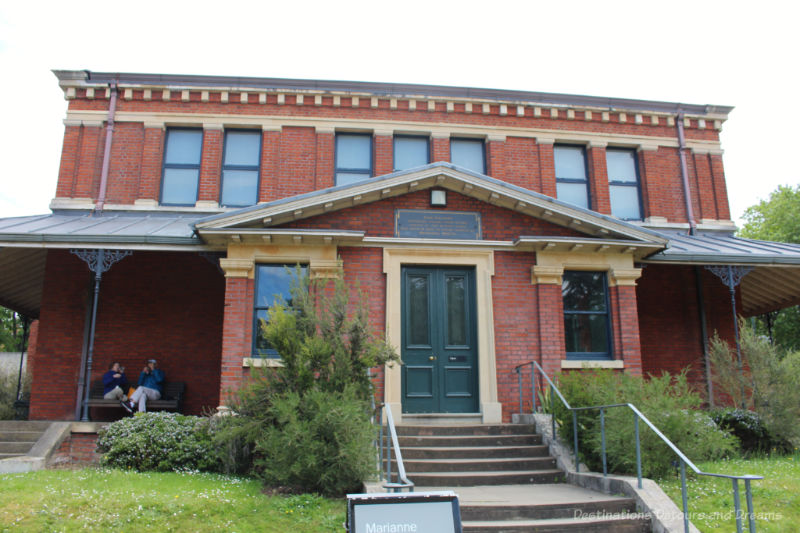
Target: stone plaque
(431,224)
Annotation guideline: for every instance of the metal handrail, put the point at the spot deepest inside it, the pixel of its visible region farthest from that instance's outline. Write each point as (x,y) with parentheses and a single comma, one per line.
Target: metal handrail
(638,415)
(390,443)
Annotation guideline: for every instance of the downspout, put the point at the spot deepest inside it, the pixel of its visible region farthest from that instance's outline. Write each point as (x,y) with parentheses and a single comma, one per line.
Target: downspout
(698,272)
(112,110)
(687,192)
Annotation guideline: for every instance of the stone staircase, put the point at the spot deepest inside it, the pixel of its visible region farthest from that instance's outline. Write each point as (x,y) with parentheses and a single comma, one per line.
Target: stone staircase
(507,482)
(17,437)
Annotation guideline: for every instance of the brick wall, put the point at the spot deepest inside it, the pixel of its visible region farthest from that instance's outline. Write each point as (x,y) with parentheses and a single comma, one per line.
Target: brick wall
(669,319)
(78,449)
(299,159)
(168,306)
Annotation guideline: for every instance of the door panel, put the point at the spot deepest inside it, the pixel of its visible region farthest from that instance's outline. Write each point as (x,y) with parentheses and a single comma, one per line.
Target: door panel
(439,332)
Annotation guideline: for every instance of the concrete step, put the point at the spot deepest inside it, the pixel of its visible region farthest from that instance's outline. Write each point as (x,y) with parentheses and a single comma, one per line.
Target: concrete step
(497,477)
(470,440)
(544,508)
(9,455)
(547,511)
(466,452)
(465,430)
(415,466)
(584,525)
(17,447)
(20,435)
(24,425)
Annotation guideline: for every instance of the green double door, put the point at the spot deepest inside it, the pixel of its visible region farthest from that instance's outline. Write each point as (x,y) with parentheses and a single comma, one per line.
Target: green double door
(439,349)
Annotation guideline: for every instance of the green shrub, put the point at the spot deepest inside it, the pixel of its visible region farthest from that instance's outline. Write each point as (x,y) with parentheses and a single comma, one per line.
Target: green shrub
(318,442)
(667,401)
(158,441)
(305,425)
(765,382)
(749,428)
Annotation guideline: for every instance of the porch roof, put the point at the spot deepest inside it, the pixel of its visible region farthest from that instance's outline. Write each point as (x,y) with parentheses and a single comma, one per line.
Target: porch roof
(774,281)
(24,242)
(97,230)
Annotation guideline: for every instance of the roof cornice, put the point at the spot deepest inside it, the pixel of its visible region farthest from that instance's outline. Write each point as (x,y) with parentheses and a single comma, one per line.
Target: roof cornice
(85,78)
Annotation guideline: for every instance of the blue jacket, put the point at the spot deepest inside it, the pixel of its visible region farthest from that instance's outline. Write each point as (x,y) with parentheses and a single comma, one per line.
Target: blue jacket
(153,380)
(109,381)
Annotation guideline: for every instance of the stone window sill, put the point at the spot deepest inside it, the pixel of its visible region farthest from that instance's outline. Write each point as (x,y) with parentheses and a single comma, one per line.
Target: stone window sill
(260,362)
(577,363)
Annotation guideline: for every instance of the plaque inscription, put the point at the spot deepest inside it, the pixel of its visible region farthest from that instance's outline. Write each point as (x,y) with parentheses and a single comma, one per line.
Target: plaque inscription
(431,224)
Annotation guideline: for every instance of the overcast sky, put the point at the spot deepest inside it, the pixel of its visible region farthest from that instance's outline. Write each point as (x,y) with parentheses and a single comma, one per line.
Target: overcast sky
(743,54)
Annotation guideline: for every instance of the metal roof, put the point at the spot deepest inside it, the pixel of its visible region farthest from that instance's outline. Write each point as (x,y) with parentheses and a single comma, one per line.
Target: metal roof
(71,77)
(774,281)
(89,228)
(723,248)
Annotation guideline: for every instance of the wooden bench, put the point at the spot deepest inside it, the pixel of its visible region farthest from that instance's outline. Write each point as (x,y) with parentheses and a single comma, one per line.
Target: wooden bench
(171,397)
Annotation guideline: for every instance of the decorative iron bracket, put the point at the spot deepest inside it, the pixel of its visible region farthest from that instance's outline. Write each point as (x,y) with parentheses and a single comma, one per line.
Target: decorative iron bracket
(730,275)
(100,261)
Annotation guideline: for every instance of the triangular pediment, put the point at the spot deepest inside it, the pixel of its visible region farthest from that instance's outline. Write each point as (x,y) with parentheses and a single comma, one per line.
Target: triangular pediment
(436,175)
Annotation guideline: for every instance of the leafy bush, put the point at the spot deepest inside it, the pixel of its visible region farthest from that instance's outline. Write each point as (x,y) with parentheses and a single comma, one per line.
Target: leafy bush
(765,381)
(305,425)
(747,426)
(667,401)
(158,441)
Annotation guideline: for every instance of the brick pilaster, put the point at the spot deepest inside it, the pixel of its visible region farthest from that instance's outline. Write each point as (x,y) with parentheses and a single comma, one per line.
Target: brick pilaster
(547,169)
(625,323)
(720,188)
(598,179)
(236,335)
(440,149)
(496,166)
(383,161)
(91,161)
(210,163)
(325,159)
(270,153)
(69,161)
(152,159)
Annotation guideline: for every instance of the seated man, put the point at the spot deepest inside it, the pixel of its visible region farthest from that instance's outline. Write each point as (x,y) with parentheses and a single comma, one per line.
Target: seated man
(149,387)
(115,383)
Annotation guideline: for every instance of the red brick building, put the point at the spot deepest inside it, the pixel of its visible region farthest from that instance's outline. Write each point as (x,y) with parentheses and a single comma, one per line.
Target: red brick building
(487,228)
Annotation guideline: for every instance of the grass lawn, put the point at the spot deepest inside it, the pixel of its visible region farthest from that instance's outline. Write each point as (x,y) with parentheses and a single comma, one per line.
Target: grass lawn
(776,498)
(115,500)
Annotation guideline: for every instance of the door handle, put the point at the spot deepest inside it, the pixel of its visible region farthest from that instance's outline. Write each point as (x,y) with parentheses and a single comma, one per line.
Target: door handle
(432,358)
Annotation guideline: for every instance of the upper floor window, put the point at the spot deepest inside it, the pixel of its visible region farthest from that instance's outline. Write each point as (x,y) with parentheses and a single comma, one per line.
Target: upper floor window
(273,285)
(468,153)
(572,184)
(353,157)
(410,152)
(587,331)
(240,166)
(623,184)
(181,175)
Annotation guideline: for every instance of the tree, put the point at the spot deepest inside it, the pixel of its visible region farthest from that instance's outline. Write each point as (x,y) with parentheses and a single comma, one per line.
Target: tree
(777,219)
(11,330)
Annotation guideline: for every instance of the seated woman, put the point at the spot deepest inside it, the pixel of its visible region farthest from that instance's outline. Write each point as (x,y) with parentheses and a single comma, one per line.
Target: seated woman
(115,383)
